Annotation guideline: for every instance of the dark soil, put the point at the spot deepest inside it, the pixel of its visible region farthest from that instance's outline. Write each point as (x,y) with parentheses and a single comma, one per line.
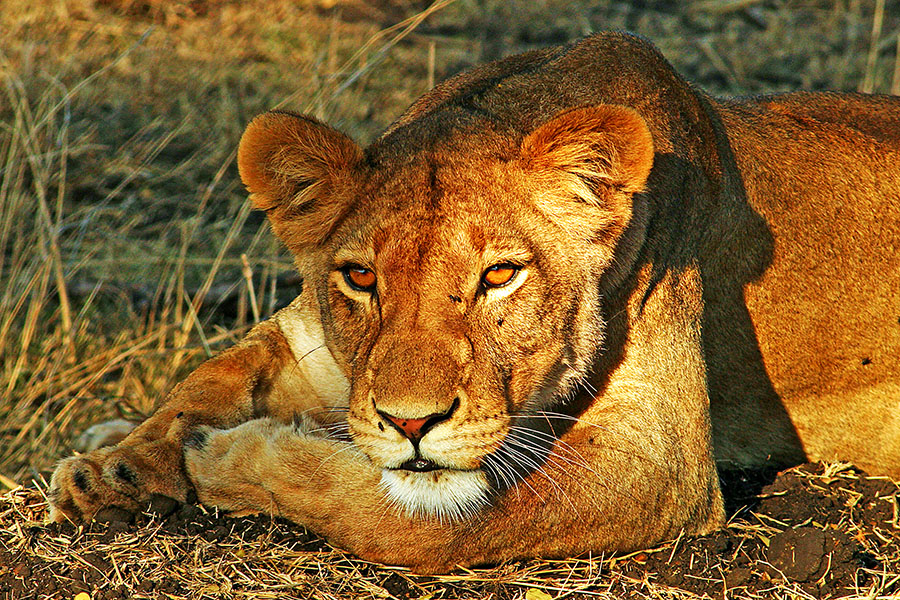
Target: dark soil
(817,531)
(24,576)
(828,536)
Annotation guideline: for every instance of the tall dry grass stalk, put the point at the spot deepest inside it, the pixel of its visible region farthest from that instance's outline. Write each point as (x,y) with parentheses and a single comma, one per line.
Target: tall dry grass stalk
(895,78)
(53,355)
(868,83)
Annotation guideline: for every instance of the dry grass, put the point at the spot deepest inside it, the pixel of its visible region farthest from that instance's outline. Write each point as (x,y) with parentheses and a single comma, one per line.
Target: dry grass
(127,251)
(263,558)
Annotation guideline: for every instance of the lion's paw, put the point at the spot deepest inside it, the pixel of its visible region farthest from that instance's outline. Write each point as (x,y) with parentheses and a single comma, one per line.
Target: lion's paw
(227,466)
(125,477)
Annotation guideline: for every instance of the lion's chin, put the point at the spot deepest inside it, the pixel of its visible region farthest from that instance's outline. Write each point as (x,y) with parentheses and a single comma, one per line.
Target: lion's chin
(444,494)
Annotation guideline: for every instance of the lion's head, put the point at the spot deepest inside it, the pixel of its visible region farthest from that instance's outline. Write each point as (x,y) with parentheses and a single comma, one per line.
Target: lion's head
(455,265)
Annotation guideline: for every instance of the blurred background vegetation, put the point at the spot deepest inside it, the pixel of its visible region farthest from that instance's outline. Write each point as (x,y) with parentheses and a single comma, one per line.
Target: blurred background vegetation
(127,250)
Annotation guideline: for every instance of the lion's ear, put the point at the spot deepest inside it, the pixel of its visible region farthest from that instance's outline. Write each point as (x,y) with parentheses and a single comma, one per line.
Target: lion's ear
(589,161)
(295,169)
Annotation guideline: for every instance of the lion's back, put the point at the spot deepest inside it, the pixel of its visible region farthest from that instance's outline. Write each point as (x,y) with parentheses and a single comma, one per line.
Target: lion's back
(822,170)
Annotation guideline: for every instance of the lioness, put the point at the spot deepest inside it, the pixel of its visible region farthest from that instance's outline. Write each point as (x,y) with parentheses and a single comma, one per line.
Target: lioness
(540,310)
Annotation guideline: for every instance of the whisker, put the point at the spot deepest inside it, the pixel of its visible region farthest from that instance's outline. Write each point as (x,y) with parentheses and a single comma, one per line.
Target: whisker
(630,452)
(339,431)
(559,463)
(496,467)
(334,427)
(310,351)
(511,478)
(528,462)
(555,459)
(315,411)
(544,436)
(331,456)
(577,456)
(586,385)
(574,460)
(337,409)
(517,476)
(297,361)
(551,415)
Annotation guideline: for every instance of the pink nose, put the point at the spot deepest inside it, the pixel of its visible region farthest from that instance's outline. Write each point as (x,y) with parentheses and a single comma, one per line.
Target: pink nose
(415,429)
(411,428)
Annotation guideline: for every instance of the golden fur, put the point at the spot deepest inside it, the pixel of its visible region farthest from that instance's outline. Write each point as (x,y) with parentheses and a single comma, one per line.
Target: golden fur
(695,282)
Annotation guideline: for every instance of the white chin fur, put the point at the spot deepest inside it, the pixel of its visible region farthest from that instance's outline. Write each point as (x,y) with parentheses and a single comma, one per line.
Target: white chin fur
(447,495)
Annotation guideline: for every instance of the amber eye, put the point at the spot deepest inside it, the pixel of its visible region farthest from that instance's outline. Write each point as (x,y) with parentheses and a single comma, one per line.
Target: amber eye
(359,278)
(499,275)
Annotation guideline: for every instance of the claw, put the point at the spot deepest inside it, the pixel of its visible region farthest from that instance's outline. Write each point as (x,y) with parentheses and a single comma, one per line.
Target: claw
(125,473)
(196,439)
(81,480)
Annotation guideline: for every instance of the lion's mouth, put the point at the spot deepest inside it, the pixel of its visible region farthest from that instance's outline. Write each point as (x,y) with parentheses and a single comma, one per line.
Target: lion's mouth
(420,465)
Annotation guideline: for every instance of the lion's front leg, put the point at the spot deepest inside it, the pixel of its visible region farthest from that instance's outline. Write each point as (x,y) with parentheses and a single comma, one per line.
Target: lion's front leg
(221,392)
(324,484)
(259,466)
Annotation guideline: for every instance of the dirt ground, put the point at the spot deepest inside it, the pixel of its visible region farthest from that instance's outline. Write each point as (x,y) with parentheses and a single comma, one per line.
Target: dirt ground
(127,255)
(816,531)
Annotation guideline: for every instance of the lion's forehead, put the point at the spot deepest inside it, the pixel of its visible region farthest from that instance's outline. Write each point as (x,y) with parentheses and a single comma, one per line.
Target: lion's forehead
(434,185)
(438,214)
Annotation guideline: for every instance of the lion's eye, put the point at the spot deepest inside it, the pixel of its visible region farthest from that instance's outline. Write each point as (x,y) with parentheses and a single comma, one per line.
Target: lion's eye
(499,275)
(359,278)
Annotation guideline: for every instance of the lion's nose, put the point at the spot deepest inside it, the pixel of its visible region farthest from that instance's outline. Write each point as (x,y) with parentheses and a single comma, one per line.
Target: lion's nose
(415,429)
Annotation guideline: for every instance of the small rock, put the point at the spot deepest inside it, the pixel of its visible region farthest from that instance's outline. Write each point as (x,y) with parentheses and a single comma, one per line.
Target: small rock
(798,553)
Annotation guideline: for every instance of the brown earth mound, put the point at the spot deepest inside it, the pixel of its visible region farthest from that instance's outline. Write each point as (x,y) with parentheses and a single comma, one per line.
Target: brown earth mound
(816,531)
